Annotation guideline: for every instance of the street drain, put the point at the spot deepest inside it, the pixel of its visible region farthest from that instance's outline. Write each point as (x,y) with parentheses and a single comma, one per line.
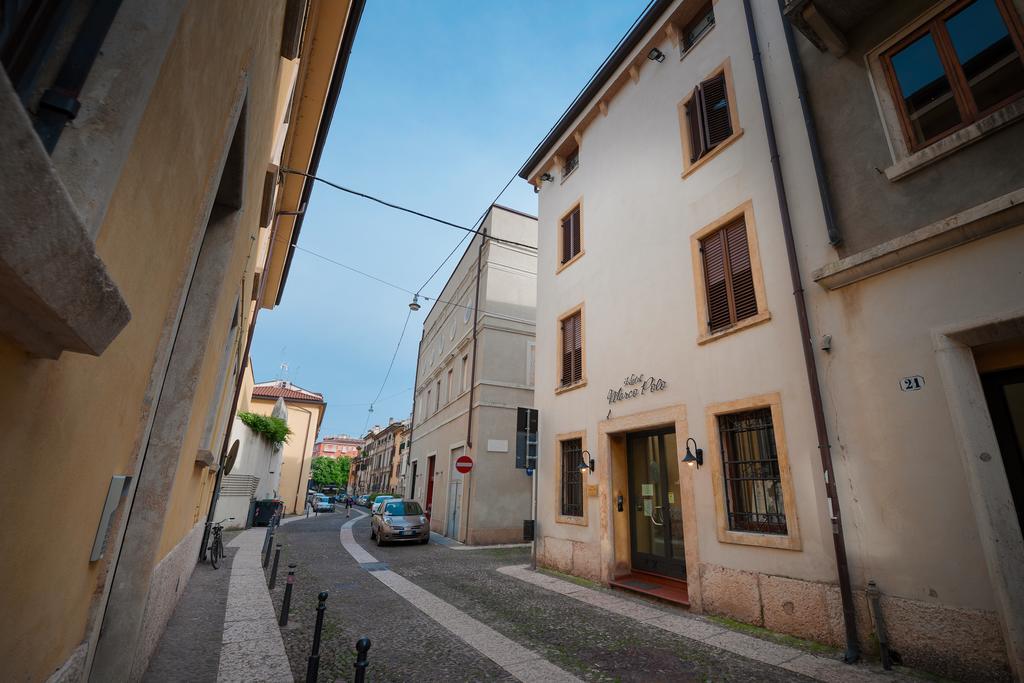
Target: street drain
(374,566)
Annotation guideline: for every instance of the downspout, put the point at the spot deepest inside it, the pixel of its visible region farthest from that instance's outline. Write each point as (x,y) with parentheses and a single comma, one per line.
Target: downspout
(476,317)
(845,590)
(834,238)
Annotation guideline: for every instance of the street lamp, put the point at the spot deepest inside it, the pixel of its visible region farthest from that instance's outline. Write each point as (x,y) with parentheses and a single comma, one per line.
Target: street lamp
(695,457)
(586,462)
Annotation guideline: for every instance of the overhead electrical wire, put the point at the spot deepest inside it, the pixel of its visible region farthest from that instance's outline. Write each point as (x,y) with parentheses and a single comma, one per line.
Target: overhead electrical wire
(399,207)
(391,365)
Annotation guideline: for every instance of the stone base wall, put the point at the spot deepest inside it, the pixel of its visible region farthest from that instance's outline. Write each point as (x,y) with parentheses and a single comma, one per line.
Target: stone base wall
(73,669)
(570,557)
(165,588)
(958,643)
(494,536)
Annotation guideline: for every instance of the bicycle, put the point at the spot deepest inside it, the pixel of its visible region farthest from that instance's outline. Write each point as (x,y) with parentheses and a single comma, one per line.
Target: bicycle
(217,542)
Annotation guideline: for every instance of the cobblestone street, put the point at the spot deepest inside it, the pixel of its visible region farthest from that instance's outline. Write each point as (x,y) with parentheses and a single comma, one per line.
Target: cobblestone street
(564,637)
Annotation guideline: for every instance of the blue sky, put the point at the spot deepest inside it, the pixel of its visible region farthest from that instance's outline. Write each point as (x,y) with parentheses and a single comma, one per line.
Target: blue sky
(442,102)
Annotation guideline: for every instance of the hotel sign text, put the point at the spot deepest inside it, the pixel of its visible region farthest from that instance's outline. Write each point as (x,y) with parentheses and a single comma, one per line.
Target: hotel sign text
(636,385)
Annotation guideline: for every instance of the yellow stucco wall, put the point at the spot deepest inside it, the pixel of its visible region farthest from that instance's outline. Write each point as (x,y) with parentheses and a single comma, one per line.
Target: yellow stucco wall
(304,420)
(71,424)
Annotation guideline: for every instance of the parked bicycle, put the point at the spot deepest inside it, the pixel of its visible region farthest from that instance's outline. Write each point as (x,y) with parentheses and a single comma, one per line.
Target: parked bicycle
(217,542)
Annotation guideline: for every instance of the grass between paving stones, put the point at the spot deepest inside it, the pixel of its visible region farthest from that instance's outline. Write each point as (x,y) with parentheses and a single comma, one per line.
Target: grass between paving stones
(811,646)
(586,583)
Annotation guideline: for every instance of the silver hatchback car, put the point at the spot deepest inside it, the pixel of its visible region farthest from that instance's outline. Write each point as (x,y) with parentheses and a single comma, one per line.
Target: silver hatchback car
(399,520)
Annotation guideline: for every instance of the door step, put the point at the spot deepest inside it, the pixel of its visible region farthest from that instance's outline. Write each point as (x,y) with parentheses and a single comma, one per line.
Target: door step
(662,587)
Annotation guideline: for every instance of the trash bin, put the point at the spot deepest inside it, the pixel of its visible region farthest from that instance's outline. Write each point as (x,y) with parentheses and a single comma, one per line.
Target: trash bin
(265,511)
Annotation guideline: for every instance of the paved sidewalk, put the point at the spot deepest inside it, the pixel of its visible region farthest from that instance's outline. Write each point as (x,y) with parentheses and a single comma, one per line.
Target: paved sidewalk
(252,649)
(702,630)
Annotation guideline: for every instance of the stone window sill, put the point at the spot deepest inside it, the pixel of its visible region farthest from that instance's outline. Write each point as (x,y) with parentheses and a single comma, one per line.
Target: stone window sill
(761,317)
(759,540)
(566,519)
(951,143)
(692,167)
(574,259)
(57,295)
(579,385)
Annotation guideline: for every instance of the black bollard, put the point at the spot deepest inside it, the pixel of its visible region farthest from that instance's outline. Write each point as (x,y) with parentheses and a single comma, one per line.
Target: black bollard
(313,666)
(286,605)
(362,647)
(273,569)
(269,543)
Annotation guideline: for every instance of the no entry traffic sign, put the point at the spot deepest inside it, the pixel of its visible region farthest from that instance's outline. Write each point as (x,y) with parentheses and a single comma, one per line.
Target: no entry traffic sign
(464,464)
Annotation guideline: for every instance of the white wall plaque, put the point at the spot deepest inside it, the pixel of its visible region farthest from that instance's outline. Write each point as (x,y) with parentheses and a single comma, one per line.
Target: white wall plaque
(497,445)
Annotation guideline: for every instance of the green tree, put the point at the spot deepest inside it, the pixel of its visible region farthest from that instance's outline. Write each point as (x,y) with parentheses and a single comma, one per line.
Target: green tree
(345,465)
(326,472)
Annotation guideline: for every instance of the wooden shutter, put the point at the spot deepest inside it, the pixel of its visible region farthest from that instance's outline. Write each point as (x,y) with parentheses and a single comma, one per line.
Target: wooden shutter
(571,235)
(695,126)
(715,109)
(742,279)
(572,350)
(713,253)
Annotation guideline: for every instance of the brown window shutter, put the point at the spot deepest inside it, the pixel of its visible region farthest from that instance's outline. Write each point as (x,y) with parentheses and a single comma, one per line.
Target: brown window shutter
(575,231)
(695,126)
(567,337)
(566,238)
(742,279)
(577,365)
(715,110)
(713,253)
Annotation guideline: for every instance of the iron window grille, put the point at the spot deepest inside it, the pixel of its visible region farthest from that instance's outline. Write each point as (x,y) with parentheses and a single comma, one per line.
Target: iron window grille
(750,466)
(572,478)
(571,162)
(700,25)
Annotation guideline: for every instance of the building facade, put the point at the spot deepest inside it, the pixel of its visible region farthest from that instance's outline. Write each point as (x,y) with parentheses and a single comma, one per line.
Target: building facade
(340,446)
(305,415)
(379,459)
(136,233)
(475,368)
(400,458)
(914,272)
(727,431)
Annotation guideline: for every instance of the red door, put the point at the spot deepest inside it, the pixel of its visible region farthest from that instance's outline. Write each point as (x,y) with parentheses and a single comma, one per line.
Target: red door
(430,484)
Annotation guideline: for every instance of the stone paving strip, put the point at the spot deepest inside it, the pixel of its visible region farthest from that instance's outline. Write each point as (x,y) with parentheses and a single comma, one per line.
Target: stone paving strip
(696,628)
(522,663)
(252,647)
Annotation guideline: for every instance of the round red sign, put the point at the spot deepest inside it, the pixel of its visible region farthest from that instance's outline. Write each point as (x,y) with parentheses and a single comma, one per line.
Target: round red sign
(464,464)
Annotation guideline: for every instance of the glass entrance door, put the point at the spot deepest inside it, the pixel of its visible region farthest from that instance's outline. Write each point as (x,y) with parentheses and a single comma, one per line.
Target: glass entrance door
(656,513)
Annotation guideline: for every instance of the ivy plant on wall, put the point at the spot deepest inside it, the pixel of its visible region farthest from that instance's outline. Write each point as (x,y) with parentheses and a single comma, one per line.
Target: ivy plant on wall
(273,429)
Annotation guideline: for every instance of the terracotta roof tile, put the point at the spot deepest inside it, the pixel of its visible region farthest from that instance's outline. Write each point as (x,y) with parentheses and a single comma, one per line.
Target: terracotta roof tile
(274,390)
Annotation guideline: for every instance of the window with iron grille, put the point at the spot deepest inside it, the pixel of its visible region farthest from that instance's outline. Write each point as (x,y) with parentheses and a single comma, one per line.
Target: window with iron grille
(701,24)
(572,478)
(707,116)
(728,277)
(571,235)
(750,467)
(572,349)
(572,161)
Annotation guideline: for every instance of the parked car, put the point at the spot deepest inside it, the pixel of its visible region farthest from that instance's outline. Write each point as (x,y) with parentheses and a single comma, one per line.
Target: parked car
(395,519)
(378,501)
(322,503)
(361,500)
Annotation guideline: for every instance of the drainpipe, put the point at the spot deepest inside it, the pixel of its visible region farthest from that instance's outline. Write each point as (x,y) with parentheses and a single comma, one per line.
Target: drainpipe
(476,317)
(845,590)
(834,238)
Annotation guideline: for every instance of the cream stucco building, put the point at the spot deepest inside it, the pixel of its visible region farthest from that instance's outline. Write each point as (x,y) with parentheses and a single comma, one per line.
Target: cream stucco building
(144,225)
(679,203)
(475,368)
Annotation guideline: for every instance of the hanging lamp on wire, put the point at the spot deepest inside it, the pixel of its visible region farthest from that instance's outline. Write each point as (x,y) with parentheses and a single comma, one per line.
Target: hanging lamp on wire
(414,305)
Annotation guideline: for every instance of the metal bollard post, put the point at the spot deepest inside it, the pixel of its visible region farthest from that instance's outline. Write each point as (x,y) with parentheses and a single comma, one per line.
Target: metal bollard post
(362,647)
(266,551)
(313,666)
(273,569)
(286,605)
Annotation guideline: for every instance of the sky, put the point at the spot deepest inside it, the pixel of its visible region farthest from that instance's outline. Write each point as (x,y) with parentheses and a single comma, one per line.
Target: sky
(443,101)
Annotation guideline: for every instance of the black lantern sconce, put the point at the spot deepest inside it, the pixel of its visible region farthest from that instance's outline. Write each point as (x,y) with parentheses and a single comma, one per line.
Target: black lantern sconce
(586,462)
(694,457)
(656,55)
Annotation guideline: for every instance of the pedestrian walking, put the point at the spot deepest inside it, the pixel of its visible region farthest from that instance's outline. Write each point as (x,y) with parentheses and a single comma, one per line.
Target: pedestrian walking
(348,506)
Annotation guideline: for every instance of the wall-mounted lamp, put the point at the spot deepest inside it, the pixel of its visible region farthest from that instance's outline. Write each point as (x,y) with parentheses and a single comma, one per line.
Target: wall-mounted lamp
(656,55)
(547,177)
(694,457)
(586,462)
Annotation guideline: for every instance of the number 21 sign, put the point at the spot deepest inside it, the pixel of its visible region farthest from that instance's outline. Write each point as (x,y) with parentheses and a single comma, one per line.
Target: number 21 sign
(912,383)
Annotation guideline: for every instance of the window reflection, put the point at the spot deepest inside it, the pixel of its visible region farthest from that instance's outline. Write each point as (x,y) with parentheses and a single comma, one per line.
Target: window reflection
(986,53)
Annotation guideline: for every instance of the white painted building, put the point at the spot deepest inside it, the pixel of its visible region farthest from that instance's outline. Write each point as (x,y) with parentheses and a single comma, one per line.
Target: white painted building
(475,368)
